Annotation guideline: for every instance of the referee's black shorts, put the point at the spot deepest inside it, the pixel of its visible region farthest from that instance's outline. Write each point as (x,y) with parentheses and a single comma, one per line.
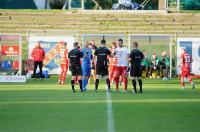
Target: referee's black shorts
(136,71)
(76,70)
(101,70)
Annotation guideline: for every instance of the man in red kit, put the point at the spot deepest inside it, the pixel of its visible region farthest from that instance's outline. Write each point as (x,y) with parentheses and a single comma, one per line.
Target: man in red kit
(121,53)
(186,61)
(64,63)
(112,61)
(38,55)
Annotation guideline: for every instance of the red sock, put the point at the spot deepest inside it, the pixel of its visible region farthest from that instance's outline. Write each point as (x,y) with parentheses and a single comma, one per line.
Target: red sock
(117,82)
(125,83)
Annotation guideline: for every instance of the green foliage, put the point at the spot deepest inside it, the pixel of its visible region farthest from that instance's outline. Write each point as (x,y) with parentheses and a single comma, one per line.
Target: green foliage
(190,4)
(56,4)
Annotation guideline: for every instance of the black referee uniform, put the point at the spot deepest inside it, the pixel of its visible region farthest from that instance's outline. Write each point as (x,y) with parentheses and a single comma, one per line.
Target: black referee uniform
(75,65)
(102,64)
(136,57)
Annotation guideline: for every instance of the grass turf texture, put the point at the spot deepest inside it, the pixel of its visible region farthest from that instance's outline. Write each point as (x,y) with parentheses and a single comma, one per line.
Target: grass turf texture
(43,106)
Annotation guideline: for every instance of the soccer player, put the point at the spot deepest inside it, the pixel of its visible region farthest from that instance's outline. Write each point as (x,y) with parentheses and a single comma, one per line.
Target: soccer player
(86,65)
(154,65)
(121,69)
(145,63)
(75,56)
(164,65)
(112,61)
(93,69)
(135,59)
(101,55)
(186,61)
(64,62)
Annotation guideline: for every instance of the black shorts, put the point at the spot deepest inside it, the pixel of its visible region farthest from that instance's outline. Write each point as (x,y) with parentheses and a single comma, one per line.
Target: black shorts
(136,71)
(102,70)
(76,70)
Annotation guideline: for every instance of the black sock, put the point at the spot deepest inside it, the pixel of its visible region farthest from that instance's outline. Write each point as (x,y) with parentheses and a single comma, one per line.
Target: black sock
(108,83)
(80,84)
(96,84)
(72,83)
(134,85)
(140,84)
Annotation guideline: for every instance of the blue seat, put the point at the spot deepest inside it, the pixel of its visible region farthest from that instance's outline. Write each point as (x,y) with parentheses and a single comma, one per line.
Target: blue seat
(5,65)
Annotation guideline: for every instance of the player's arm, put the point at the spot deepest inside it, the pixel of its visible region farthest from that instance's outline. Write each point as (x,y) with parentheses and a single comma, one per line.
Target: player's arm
(130,57)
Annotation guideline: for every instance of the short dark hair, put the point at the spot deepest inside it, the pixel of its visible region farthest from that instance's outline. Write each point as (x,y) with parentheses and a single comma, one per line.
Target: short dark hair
(75,44)
(103,41)
(135,44)
(121,40)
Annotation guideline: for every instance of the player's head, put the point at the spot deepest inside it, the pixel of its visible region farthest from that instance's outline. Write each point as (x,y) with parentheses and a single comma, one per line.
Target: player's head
(114,45)
(103,42)
(154,56)
(135,45)
(75,45)
(64,45)
(86,44)
(120,42)
(38,45)
(183,50)
(90,45)
(92,42)
(144,52)
(164,53)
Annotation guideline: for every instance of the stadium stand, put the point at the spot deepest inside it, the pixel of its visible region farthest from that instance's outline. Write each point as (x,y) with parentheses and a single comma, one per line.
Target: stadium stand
(99,21)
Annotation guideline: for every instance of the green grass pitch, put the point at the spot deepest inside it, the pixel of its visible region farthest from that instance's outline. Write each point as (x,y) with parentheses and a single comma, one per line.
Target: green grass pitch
(44,106)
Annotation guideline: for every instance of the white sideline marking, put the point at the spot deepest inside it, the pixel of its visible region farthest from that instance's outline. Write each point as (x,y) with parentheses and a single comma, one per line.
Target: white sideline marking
(110,120)
(98,101)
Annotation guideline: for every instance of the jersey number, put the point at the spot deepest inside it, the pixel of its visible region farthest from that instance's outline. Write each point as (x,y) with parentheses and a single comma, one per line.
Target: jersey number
(187,59)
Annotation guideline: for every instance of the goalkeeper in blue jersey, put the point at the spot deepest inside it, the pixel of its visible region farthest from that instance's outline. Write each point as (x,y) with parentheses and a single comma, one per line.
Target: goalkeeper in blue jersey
(86,65)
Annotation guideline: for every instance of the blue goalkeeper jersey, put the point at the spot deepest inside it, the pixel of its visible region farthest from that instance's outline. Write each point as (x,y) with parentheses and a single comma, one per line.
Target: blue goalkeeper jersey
(87,60)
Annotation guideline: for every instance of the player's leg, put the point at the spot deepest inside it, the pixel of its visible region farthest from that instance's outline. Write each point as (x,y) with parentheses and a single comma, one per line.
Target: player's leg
(98,72)
(79,77)
(40,68)
(147,71)
(116,77)
(183,82)
(64,74)
(105,75)
(83,77)
(111,70)
(124,77)
(61,74)
(34,70)
(161,70)
(150,72)
(158,71)
(139,75)
(133,76)
(191,80)
(73,72)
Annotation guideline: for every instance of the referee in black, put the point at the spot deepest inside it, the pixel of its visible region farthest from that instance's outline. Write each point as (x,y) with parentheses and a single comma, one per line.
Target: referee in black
(135,59)
(75,56)
(101,55)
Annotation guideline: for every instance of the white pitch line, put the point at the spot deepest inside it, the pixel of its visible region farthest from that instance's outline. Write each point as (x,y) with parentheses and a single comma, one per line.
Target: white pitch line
(110,119)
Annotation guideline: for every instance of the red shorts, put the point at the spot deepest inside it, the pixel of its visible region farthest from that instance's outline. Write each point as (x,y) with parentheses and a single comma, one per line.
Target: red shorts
(121,70)
(112,69)
(185,71)
(64,67)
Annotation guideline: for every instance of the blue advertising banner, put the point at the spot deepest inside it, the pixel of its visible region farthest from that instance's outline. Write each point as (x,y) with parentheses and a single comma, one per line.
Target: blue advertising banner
(51,46)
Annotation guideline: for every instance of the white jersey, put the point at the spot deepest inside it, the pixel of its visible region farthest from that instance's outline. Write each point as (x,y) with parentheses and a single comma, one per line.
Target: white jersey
(121,54)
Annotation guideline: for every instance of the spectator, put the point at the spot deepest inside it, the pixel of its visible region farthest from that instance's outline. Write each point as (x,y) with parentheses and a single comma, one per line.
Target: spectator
(38,55)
